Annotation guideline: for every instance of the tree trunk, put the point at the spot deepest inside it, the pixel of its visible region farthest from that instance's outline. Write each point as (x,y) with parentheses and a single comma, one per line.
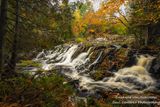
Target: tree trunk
(3,24)
(12,62)
(146,36)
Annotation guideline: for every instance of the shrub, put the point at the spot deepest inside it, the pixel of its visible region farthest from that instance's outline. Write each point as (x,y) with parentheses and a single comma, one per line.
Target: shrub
(42,92)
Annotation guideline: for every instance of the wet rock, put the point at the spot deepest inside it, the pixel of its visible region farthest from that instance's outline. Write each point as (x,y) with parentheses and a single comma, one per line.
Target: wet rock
(155,67)
(105,79)
(151,50)
(100,47)
(98,61)
(114,58)
(100,74)
(117,59)
(103,94)
(113,46)
(132,60)
(124,46)
(83,93)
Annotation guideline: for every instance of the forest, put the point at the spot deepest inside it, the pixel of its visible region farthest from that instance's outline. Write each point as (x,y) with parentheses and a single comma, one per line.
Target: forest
(79,53)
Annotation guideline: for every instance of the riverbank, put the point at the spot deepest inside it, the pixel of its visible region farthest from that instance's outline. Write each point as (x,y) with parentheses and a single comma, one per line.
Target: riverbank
(93,74)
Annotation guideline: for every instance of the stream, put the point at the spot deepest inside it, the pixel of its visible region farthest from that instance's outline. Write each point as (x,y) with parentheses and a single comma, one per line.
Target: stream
(75,62)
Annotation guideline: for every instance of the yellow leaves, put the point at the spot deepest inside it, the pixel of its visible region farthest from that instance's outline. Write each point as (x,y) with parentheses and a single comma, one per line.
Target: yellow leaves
(77,25)
(98,18)
(77,14)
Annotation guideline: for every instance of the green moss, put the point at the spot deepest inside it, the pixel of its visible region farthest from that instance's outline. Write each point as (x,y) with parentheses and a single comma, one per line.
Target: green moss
(88,44)
(79,40)
(98,75)
(28,63)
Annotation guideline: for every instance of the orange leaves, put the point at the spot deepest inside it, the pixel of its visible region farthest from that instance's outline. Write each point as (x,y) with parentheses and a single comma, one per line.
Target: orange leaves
(113,6)
(101,17)
(93,18)
(122,1)
(92,31)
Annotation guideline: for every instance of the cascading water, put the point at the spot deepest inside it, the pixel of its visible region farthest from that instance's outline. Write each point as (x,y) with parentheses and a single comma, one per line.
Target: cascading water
(135,79)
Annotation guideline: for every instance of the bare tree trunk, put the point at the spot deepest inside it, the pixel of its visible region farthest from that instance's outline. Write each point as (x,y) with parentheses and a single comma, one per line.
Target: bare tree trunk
(12,63)
(146,36)
(3,24)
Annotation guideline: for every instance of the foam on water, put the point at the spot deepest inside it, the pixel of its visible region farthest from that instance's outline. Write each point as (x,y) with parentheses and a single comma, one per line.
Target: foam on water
(135,79)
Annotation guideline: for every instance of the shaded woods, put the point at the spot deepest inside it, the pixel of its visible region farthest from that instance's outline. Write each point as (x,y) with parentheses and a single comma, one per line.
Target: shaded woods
(29,26)
(26,27)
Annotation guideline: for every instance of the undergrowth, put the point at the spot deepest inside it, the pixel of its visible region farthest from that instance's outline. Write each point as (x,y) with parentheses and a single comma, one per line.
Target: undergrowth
(40,92)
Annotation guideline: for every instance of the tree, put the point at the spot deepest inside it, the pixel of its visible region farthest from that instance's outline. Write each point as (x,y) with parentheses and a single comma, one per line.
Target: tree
(63,17)
(3,24)
(99,21)
(144,15)
(13,60)
(79,23)
(31,28)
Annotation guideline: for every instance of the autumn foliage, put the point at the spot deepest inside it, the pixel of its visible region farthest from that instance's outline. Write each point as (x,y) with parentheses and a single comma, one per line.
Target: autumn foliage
(93,20)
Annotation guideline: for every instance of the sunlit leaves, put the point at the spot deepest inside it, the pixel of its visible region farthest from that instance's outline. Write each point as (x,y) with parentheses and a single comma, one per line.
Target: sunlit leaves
(97,20)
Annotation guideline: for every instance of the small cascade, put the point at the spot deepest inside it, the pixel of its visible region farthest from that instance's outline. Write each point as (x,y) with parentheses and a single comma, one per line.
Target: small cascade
(41,55)
(145,61)
(91,66)
(134,79)
(67,56)
(81,58)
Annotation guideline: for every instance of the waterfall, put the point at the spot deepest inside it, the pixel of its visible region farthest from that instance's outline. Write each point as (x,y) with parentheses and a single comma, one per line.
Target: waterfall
(67,56)
(145,61)
(81,58)
(135,79)
(41,55)
(96,61)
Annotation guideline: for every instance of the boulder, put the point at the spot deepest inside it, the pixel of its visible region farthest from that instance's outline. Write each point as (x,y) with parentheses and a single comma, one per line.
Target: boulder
(155,67)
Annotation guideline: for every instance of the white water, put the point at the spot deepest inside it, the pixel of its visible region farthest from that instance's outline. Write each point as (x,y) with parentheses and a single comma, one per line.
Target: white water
(135,79)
